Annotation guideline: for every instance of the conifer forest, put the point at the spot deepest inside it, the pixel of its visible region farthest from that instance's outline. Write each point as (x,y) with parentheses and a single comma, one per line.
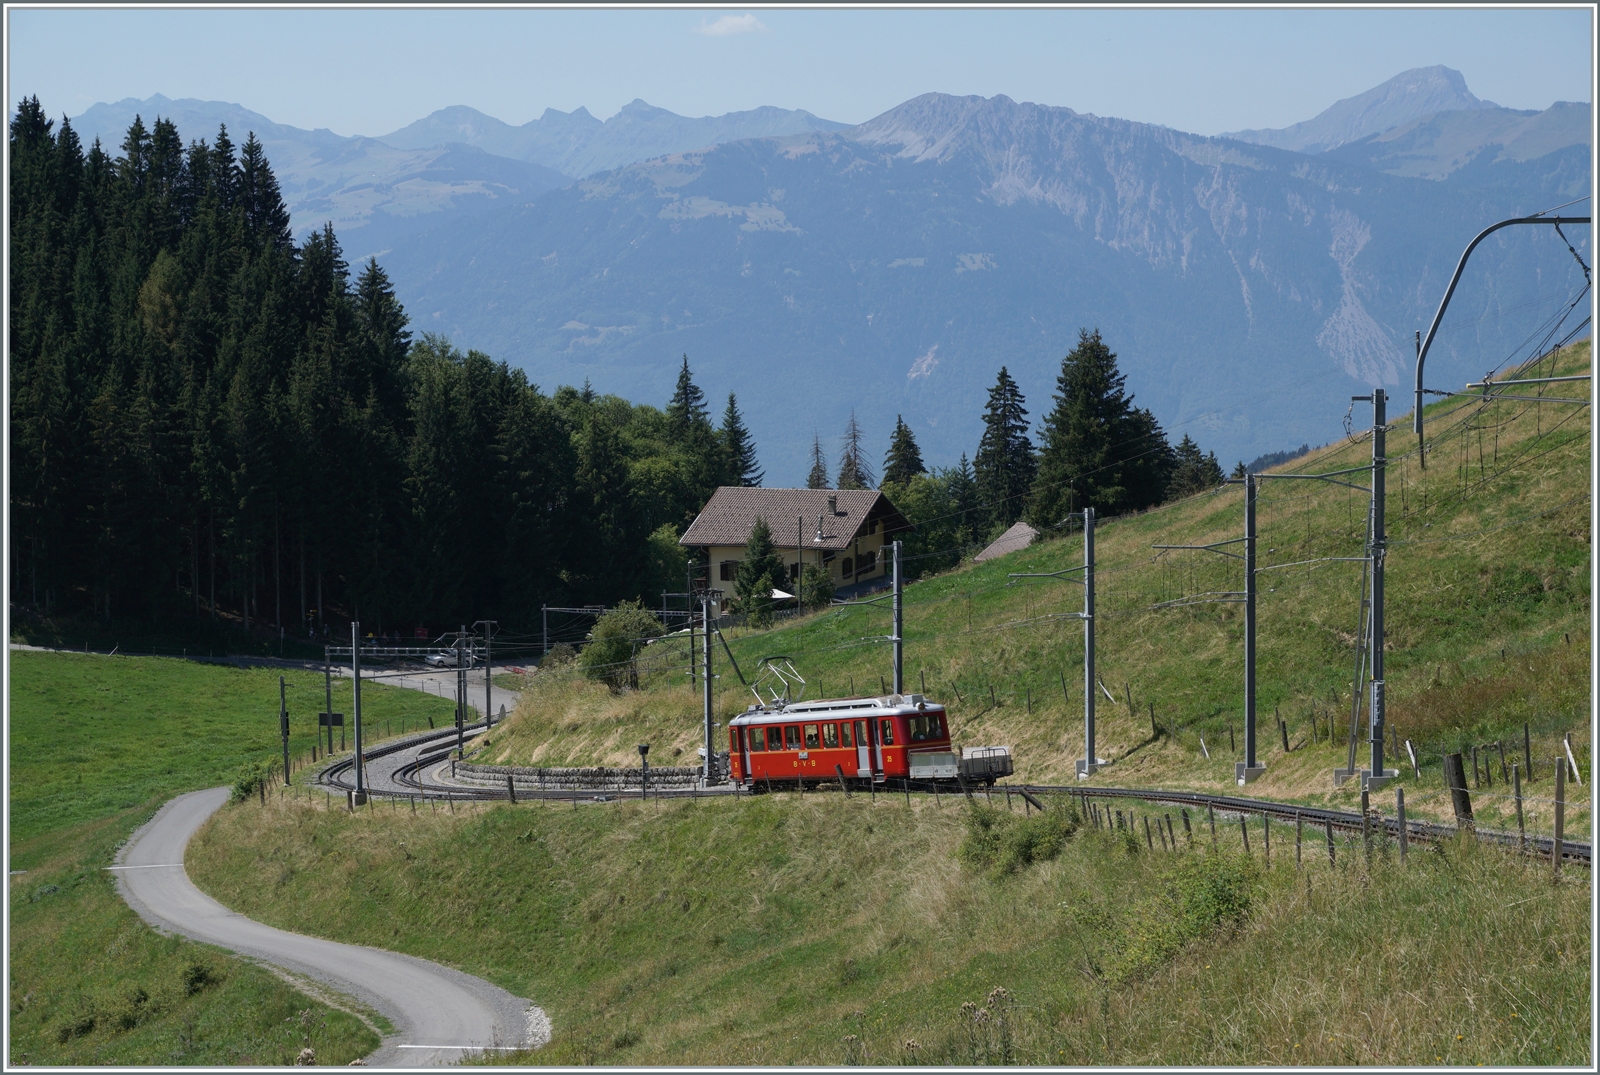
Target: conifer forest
(210,419)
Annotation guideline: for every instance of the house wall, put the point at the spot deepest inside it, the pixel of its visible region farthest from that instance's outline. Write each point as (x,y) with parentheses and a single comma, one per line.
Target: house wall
(724,560)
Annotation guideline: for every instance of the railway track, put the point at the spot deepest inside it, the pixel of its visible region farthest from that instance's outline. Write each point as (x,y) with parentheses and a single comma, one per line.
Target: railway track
(1344,820)
(405,777)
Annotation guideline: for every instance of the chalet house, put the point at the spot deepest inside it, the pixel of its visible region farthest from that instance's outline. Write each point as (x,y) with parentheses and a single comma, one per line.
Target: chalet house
(843,530)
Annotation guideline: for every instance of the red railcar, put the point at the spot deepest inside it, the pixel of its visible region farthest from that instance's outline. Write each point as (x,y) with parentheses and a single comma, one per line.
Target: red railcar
(898,737)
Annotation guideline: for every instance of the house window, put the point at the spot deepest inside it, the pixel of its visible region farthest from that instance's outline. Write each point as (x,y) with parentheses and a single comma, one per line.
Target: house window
(848,563)
(794,571)
(872,527)
(866,562)
(726,570)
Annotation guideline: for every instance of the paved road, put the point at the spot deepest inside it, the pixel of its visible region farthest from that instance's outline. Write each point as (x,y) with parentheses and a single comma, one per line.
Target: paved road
(439,1014)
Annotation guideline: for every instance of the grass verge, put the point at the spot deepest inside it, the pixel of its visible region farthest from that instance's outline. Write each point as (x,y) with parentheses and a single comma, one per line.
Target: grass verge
(827,930)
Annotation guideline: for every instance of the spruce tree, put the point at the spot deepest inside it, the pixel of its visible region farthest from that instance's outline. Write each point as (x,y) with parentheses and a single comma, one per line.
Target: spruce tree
(738,449)
(903,461)
(1099,450)
(760,572)
(854,473)
(1192,472)
(1005,466)
(687,412)
(818,477)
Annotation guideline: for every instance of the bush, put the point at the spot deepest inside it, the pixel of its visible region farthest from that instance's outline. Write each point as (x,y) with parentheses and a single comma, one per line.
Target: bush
(999,843)
(612,652)
(816,587)
(560,656)
(251,776)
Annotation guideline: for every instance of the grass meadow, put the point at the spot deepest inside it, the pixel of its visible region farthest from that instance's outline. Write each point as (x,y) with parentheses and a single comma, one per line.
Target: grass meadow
(96,745)
(827,930)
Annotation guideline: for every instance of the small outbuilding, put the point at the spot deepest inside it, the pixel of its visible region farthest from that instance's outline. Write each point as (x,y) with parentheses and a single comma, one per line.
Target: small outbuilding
(1020,536)
(842,530)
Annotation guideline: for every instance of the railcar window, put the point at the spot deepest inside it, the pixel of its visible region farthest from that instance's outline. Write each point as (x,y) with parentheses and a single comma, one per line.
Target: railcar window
(844,734)
(830,735)
(791,736)
(926,727)
(812,742)
(886,732)
(774,738)
(756,739)
(862,739)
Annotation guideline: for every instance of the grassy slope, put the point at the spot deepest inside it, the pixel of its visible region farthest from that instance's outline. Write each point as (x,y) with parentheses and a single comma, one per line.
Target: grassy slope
(1460,593)
(96,744)
(772,930)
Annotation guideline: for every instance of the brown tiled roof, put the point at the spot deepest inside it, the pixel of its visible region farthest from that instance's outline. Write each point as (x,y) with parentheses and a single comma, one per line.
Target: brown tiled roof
(1020,536)
(730,515)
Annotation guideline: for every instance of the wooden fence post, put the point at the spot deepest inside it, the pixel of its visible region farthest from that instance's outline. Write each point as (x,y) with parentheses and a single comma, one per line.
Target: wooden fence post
(1244,831)
(1266,839)
(1148,842)
(1299,829)
(1455,778)
(1327,828)
(1400,813)
(1188,834)
(1516,790)
(1212,816)
(1283,730)
(1561,817)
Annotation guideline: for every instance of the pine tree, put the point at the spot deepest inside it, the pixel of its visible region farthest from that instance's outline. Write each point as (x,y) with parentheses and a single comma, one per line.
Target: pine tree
(738,449)
(1239,470)
(818,478)
(854,473)
(1005,466)
(903,461)
(760,572)
(1192,472)
(1099,450)
(687,411)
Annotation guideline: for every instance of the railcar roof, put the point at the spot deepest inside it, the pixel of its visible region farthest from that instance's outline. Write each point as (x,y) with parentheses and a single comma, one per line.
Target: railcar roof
(832,708)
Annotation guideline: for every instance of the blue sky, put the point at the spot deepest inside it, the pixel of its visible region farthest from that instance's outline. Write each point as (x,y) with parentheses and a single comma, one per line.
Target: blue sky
(371,71)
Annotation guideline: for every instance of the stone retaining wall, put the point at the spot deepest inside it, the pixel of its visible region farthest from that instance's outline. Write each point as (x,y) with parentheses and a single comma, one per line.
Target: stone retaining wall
(598,778)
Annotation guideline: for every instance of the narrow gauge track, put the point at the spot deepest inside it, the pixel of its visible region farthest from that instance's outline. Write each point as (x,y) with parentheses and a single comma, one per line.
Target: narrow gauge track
(1576,853)
(408,780)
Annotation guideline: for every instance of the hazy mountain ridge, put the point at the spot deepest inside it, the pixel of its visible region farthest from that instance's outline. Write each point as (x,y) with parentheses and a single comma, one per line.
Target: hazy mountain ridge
(1421,91)
(904,260)
(442,169)
(577,144)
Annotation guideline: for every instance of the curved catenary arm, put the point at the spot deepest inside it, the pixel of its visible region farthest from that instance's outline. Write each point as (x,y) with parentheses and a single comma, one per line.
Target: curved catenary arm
(1422,349)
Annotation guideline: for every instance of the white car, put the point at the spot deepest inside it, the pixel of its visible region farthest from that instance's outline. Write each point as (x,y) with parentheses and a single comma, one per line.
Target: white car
(446,659)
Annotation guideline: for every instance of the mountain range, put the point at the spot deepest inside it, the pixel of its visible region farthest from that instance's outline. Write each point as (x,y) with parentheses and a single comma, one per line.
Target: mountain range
(894,266)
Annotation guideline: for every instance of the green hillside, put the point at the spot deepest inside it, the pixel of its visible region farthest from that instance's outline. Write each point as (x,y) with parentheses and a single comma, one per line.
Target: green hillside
(1488,611)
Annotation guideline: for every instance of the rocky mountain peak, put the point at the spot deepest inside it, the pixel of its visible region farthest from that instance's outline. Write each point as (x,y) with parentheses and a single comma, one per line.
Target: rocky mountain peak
(1421,91)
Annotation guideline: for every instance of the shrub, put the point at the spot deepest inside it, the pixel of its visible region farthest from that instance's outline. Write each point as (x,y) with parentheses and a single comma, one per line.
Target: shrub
(999,843)
(251,776)
(612,653)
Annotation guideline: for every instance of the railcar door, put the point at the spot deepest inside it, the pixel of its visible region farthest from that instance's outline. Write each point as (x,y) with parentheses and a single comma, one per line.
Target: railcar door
(744,753)
(864,748)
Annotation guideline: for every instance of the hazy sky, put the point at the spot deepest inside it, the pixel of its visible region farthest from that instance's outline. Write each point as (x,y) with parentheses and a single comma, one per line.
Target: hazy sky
(372,71)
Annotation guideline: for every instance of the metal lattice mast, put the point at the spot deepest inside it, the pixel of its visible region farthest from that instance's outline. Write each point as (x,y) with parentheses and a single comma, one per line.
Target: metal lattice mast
(711,757)
(1091,761)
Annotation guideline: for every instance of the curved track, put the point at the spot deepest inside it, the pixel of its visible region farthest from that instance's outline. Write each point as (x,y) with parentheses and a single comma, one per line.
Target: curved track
(440,1015)
(1344,820)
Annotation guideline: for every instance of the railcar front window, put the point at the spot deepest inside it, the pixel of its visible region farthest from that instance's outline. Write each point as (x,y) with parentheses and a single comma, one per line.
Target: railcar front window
(830,735)
(791,736)
(886,732)
(774,738)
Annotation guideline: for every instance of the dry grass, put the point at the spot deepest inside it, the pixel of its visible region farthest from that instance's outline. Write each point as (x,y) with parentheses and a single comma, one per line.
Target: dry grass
(825,930)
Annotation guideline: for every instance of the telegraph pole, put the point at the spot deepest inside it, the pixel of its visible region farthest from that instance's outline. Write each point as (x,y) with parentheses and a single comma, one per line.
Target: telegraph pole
(1091,761)
(355,672)
(461,692)
(1377,776)
(488,666)
(899,624)
(1250,768)
(327,684)
(283,728)
(711,757)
